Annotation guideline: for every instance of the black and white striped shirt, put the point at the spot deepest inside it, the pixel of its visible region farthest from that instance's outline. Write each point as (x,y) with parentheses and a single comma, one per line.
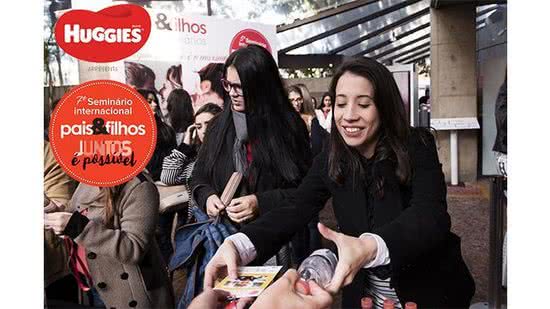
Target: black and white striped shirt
(177,169)
(381,290)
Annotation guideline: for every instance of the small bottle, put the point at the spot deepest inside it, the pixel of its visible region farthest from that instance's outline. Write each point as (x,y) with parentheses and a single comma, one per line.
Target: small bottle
(319,267)
(366,303)
(410,305)
(389,304)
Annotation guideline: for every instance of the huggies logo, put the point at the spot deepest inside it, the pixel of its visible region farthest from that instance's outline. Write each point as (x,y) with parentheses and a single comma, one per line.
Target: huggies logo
(74,34)
(111,34)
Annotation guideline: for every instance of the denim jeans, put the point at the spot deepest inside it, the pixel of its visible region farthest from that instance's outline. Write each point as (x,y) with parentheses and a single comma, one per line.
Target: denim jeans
(164,231)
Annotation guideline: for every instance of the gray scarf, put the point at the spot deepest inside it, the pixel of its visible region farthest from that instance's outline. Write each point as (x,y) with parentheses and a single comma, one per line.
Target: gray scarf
(239,147)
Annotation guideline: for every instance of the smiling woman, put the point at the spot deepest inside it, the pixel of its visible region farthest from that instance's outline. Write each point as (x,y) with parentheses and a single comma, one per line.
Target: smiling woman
(389,197)
(356,114)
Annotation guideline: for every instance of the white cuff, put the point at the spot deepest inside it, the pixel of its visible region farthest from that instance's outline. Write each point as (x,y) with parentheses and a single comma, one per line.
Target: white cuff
(244,246)
(382,253)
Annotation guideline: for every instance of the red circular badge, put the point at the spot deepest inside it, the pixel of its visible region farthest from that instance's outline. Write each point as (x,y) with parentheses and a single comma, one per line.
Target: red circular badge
(103,133)
(246,37)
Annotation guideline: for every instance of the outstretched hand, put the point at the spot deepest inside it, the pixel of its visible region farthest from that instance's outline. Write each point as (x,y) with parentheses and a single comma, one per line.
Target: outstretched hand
(353,254)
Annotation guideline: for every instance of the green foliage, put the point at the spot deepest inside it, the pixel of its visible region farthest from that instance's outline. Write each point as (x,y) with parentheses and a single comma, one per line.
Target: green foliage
(307,73)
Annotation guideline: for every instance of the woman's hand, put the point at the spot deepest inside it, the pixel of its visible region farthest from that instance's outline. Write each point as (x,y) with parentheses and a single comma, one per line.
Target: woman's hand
(188,138)
(223,263)
(285,293)
(353,254)
(214,205)
(243,208)
(57,221)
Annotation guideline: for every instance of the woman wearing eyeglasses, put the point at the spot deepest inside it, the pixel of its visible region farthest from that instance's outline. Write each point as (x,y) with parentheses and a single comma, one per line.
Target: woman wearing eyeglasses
(258,134)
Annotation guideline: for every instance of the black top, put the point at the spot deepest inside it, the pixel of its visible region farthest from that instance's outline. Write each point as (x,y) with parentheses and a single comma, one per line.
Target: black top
(319,137)
(426,263)
(265,184)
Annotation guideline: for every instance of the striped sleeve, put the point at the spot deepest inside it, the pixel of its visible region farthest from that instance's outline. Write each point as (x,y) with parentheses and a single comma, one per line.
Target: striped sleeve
(173,168)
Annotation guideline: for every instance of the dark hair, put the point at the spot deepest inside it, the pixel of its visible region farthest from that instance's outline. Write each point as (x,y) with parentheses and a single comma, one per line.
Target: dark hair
(279,137)
(145,93)
(210,108)
(213,72)
(173,74)
(139,76)
(307,107)
(321,103)
(392,133)
(166,141)
(294,88)
(180,110)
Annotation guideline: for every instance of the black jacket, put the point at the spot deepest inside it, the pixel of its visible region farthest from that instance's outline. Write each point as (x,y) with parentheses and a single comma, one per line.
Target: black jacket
(426,263)
(262,182)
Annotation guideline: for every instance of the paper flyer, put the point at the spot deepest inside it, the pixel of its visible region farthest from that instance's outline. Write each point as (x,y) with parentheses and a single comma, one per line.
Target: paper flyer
(251,281)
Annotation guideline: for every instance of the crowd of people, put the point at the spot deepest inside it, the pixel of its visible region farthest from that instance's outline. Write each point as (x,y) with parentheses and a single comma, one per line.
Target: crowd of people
(355,146)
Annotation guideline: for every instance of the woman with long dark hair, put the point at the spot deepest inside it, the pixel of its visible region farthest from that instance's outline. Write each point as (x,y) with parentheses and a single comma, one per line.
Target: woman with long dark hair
(323,111)
(151,98)
(258,135)
(389,198)
(113,252)
(180,112)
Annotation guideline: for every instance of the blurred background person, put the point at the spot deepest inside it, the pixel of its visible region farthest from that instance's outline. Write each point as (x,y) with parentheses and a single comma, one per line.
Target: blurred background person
(151,98)
(308,105)
(210,89)
(323,111)
(309,239)
(139,76)
(172,81)
(298,102)
(180,113)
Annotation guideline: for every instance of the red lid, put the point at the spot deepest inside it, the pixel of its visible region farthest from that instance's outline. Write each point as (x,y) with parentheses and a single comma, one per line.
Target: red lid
(366,303)
(389,304)
(410,305)
(232,304)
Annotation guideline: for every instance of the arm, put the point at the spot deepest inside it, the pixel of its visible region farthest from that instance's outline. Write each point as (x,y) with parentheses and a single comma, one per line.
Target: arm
(173,166)
(200,183)
(272,199)
(425,223)
(273,229)
(138,221)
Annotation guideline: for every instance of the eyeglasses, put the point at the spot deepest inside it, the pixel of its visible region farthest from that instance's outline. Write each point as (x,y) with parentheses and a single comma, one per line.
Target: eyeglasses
(228,85)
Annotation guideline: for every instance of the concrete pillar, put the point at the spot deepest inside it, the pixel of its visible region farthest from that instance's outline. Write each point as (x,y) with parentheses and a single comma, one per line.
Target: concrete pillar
(453,78)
